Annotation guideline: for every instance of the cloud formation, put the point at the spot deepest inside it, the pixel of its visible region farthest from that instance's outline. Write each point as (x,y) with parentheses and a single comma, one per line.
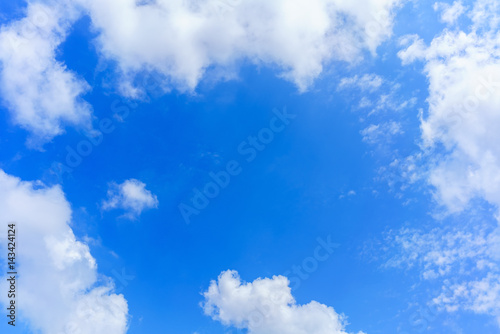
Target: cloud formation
(464,260)
(267,306)
(178,42)
(131,196)
(42,95)
(182,40)
(463,69)
(56,268)
(461,161)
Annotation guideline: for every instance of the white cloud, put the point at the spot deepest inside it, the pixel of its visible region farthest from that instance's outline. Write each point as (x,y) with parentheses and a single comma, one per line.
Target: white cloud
(461,161)
(181,40)
(41,94)
(131,196)
(441,252)
(415,49)
(381,133)
(56,269)
(370,82)
(375,93)
(267,306)
(450,13)
(465,260)
(479,296)
(463,69)
(178,42)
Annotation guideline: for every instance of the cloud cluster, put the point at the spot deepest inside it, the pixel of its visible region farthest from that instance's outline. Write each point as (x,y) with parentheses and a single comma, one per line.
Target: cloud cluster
(463,69)
(42,95)
(179,43)
(131,196)
(56,269)
(465,260)
(266,306)
(461,160)
(181,40)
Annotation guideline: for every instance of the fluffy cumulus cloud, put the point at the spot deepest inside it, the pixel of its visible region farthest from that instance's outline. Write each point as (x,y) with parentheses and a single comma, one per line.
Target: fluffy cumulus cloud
(52,258)
(267,306)
(41,93)
(179,43)
(180,40)
(131,196)
(463,69)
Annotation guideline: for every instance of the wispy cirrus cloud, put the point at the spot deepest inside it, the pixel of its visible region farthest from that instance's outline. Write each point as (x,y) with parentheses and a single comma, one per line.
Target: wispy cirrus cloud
(369,82)
(464,260)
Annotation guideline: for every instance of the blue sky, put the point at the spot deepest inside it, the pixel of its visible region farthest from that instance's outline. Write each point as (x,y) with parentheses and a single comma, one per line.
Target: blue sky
(370,159)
